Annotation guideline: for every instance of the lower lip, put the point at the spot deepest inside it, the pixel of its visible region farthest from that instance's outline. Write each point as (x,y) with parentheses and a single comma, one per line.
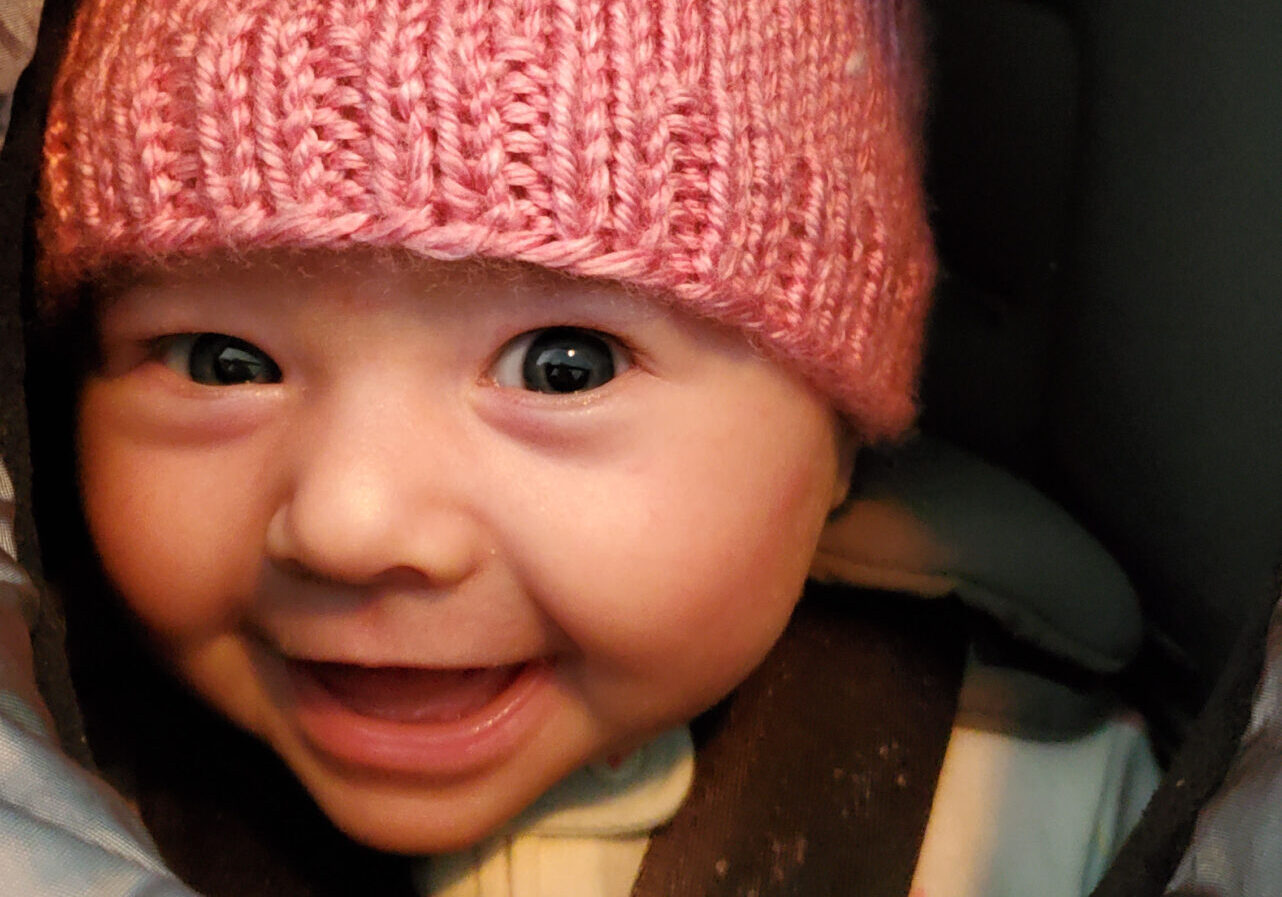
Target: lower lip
(476,741)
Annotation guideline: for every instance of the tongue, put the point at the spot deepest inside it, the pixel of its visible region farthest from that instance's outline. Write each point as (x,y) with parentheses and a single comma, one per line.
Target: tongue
(412,695)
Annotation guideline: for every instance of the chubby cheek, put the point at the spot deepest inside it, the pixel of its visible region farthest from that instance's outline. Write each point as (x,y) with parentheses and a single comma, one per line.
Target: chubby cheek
(173,526)
(696,561)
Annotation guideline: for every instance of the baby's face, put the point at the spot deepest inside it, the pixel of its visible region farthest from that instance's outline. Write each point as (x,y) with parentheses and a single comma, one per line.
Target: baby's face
(441,534)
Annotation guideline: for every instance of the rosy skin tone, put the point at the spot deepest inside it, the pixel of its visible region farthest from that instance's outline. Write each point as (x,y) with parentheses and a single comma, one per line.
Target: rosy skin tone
(432,588)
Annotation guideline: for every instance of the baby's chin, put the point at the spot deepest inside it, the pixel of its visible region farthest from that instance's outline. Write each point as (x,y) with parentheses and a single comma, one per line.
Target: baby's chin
(420,827)
(399,813)
(394,815)
(416,820)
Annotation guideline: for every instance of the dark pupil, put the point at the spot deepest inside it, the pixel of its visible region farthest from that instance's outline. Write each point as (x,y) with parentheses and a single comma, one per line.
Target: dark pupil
(220,359)
(564,359)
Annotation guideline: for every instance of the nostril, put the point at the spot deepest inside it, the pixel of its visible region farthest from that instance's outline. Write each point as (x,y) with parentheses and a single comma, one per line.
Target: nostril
(397,577)
(401,579)
(300,572)
(405,578)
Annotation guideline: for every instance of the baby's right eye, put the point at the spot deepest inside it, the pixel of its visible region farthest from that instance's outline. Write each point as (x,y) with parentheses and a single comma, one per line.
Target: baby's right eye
(216,359)
(560,360)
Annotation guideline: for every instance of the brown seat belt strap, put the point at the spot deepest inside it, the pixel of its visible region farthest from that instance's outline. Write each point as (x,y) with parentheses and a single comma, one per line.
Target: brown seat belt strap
(816,776)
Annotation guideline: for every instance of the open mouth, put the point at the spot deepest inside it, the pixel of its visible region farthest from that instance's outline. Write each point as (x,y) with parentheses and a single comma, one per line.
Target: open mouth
(417,720)
(411,694)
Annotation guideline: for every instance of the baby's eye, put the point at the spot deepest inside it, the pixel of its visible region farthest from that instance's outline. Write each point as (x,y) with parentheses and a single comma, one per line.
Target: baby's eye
(216,359)
(560,360)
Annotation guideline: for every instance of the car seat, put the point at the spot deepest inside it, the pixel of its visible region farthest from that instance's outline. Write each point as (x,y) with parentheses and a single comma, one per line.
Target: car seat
(1107,191)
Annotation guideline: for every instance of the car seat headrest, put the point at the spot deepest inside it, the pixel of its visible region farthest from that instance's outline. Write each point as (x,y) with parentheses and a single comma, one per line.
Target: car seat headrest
(931,520)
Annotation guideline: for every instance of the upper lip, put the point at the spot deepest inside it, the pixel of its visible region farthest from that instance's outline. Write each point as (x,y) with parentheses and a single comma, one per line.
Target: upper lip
(425,661)
(413,663)
(401,630)
(399,665)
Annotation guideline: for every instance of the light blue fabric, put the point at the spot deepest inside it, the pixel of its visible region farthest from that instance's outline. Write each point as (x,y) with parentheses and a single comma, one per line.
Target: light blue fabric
(63,832)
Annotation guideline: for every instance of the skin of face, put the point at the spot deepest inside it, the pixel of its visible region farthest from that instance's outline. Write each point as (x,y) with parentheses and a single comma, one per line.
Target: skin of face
(575,572)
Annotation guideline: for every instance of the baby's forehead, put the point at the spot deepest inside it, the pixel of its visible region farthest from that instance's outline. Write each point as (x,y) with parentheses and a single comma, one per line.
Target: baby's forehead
(398,294)
(364,279)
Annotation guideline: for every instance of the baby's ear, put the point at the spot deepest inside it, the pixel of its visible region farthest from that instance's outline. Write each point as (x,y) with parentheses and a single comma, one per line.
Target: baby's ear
(847,449)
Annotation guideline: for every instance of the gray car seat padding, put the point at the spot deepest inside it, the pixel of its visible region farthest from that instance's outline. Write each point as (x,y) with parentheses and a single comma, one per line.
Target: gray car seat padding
(934,519)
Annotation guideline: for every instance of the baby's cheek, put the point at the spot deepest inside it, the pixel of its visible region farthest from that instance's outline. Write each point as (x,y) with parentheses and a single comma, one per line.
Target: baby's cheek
(691,587)
(744,570)
(168,544)
(723,536)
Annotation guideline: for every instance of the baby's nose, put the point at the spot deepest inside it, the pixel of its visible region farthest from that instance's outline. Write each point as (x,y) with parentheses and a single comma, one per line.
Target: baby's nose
(373,496)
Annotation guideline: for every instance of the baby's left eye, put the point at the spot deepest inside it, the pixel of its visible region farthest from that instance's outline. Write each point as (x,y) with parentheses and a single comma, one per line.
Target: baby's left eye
(560,360)
(216,359)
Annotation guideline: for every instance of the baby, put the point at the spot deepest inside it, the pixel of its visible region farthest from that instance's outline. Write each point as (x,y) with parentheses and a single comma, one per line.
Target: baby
(474,380)
(442,533)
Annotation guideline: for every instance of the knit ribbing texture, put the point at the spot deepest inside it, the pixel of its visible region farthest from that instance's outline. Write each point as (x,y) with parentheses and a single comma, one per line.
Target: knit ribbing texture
(757,162)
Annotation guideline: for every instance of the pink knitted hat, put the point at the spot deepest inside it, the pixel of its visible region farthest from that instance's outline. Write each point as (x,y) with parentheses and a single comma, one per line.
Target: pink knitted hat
(757,160)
